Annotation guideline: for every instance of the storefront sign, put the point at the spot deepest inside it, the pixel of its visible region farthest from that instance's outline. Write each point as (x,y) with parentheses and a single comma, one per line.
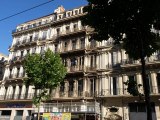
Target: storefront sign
(57,116)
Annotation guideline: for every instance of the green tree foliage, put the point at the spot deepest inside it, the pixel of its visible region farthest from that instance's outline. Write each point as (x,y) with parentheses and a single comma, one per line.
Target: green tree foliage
(132,18)
(128,22)
(44,72)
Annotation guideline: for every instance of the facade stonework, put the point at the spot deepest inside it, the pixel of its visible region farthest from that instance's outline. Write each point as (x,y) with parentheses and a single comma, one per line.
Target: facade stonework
(93,88)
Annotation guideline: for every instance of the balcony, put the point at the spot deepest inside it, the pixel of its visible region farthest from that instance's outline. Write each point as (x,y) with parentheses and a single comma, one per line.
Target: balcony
(73,94)
(74,31)
(28,96)
(111,93)
(74,107)
(91,68)
(16,59)
(5,117)
(75,69)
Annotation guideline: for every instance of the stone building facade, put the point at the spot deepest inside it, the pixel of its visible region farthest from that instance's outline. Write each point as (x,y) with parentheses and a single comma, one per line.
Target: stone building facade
(93,88)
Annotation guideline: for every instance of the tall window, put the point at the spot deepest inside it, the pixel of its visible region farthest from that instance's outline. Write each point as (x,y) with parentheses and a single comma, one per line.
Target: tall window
(158,81)
(56,48)
(93,86)
(80,86)
(30,38)
(140,107)
(75,27)
(93,61)
(82,40)
(36,37)
(44,36)
(73,44)
(114,85)
(42,50)
(73,61)
(67,29)
(21,53)
(18,70)
(58,31)
(65,46)
(114,59)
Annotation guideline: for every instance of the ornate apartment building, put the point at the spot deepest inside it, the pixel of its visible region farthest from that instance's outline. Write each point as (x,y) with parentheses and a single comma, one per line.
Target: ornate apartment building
(93,88)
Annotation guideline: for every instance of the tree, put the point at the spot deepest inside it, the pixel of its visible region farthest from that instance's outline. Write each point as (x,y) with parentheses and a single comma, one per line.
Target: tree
(129,22)
(45,72)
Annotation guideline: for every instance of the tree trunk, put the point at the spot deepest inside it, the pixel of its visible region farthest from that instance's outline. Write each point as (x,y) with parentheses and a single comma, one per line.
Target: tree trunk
(146,89)
(38,112)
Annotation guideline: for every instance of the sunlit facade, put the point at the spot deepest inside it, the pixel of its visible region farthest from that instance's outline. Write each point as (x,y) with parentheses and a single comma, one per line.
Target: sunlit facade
(93,88)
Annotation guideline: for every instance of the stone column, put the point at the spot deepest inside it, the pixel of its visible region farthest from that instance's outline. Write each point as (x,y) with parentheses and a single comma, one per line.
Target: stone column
(13,113)
(10,92)
(139,81)
(75,88)
(125,78)
(30,92)
(126,112)
(2,92)
(120,82)
(66,86)
(157,112)
(16,93)
(84,85)
(98,90)
(119,57)
(23,92)
(109,59)
(154,83)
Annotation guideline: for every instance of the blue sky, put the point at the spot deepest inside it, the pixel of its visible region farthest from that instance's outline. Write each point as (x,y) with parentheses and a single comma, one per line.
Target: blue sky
(10,7)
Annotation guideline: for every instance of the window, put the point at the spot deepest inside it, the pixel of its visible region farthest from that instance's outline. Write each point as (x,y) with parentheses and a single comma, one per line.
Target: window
(30,38)
(82,40)
(42,50)
(62,87)
(93,61)
(80,87)
(34,50)
(68,14)
(1,71)
(114,85)
(58,31)
(81,61)
(140,107)
(75,27)
(28,51)
(67,29)
(71,86)
(19,112)
(65,62)
(44,36)
(76,12)
(158,81)
(73,44)
(73,61)
(36,37)
(114,59)
(24,39)
(131,77)
(18,69)
(6,113)
(65,46)
(56,48)
(93,86)
(10,73)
